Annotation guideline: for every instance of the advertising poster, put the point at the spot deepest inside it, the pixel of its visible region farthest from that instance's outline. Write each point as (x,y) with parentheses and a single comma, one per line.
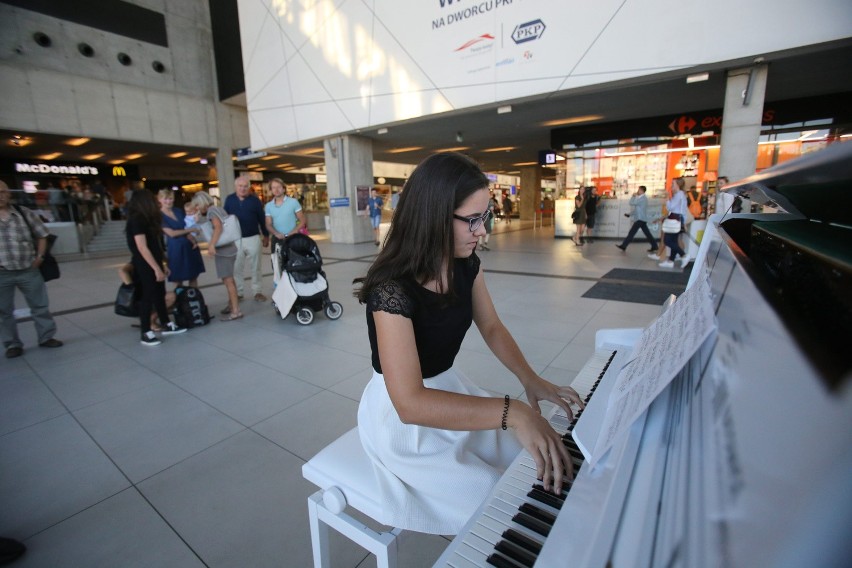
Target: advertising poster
(362,194)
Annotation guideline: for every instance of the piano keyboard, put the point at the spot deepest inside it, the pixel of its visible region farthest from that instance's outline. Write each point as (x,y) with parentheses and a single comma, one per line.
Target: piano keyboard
(512,526)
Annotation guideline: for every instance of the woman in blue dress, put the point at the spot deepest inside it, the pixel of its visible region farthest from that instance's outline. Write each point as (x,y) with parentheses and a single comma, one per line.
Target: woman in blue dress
(184,258)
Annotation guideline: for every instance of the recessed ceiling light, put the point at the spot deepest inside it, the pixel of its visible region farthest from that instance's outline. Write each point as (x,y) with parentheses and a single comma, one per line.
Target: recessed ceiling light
(455,149)
(403,150)
(93,156)
(573,120)
(697,77)
(382,131)
(309,151)
(52,156)
(77,141)
(116,162)
(520,164)
(504,109)
(503,149)
(270,157)
(133,156)
(177,155)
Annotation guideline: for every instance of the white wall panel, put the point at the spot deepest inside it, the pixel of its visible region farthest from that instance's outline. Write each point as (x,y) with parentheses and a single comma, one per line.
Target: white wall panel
(407,59)
(16,110)
(132,106)
(95,108)
(165,118)
(53,101)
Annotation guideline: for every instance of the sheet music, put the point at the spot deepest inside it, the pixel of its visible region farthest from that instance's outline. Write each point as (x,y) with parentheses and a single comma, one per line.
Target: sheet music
(661,352)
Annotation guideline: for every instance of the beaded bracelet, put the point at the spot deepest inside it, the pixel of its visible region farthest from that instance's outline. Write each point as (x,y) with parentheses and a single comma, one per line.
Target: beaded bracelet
(505,412)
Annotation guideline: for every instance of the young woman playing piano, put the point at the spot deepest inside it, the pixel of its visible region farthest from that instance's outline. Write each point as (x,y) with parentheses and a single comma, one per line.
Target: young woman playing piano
(437,441)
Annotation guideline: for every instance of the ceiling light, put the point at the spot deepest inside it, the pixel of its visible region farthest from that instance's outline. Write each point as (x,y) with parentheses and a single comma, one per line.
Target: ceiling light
(573,120)
(193,160)
(133,156)
(52,156)
(382,131)
(77,141)
(116,162)
(203,161)
(403,150)
(270,157)
(504,109)
(697,77)
(178,155)
(93,156)
(455,149)
(503,149)
(312,151)
(519,164)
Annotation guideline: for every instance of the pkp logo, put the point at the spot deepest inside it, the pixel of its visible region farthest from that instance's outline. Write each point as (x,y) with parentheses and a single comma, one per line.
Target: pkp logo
(528,31)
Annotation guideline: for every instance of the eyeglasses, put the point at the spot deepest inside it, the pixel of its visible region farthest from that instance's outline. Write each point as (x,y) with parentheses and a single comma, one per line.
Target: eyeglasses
(476,221)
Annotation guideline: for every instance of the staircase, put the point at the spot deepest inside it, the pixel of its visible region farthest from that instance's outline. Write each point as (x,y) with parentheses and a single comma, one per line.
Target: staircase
(109,239)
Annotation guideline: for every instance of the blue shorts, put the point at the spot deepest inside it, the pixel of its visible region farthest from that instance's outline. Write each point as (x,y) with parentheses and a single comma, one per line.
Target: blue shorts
(376,220)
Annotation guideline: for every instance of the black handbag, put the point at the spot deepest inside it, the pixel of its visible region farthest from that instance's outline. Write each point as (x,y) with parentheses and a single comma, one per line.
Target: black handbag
(49,266)
(125,301)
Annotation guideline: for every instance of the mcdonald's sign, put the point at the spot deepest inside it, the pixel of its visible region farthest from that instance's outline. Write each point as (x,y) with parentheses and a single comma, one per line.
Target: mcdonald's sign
(119,171)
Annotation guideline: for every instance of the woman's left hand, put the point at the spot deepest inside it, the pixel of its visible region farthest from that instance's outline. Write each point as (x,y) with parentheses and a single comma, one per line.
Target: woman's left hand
(538,389)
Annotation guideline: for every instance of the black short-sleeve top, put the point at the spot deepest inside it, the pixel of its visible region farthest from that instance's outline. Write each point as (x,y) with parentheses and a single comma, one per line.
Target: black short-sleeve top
(439,325)
(137,226)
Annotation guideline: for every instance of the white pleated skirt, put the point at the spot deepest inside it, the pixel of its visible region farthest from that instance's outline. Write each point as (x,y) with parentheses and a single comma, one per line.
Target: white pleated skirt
(431,480)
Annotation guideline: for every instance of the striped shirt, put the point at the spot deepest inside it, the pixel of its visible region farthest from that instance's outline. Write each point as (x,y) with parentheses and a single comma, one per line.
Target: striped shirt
(17,247)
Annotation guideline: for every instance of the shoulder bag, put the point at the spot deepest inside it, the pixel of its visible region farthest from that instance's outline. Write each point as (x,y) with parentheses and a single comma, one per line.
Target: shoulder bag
(231,231)
(49,267)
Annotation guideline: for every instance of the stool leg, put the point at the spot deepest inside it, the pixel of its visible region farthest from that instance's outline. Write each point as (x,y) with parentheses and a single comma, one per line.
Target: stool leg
(319,533)
(386,558)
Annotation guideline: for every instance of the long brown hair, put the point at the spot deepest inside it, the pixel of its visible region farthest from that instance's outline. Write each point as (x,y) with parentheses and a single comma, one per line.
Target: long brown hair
(145,207)
(420,243)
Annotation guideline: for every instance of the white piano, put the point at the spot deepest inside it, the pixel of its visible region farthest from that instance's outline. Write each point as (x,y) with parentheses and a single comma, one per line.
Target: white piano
(745,459)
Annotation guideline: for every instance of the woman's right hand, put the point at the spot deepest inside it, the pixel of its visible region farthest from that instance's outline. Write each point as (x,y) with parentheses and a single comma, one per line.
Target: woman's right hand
(552,461)
(159,274)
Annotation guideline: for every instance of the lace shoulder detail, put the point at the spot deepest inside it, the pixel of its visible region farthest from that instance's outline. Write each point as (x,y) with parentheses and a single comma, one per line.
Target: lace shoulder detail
(473,264)
(390,297)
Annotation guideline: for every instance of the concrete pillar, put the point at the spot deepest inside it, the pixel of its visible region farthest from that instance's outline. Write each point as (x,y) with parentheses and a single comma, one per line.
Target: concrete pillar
(225,152)
(741,123)
(348,164)
(530,192)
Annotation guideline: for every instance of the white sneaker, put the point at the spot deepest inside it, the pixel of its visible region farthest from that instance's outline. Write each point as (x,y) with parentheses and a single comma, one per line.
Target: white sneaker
(684,260)
(654,255)
(149,339)
(172,328)
(666,264)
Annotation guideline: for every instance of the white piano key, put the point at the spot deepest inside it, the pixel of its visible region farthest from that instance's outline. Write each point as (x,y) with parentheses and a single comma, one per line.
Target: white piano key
(472,555)
(458,561)
(505,519)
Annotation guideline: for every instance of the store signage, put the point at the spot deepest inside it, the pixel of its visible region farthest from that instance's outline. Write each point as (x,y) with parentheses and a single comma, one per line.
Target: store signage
(50,169)
(546,157)
(338,202)
(528,32)
(119,171)
(248,154)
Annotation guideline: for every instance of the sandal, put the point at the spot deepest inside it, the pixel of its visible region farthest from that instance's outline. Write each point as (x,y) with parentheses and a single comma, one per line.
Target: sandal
(231,317)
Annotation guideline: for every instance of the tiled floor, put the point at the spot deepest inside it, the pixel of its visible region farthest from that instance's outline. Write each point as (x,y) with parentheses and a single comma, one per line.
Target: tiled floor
(190,453)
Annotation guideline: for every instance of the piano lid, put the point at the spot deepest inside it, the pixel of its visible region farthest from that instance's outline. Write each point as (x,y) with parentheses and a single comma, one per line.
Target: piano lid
(815,185)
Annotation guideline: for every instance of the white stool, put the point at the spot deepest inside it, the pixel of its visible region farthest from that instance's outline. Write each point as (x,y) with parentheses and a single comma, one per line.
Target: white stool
(344,474)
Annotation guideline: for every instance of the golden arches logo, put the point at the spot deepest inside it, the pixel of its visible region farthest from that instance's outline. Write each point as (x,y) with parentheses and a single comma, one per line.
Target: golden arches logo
(118,171)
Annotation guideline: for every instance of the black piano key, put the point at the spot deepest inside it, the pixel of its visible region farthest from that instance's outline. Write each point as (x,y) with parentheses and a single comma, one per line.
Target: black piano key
(540,514)
(531,523)
(500,561)
(542,495)
(522,540)
(516,553)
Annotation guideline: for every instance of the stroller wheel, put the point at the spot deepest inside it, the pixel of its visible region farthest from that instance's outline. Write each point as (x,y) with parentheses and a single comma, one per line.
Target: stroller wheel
(333,310)
(305,316)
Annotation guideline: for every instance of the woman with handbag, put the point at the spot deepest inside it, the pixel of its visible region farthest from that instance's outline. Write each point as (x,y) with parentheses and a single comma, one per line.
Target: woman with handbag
(144,238)
(225,255)
(676,206)
(579,218)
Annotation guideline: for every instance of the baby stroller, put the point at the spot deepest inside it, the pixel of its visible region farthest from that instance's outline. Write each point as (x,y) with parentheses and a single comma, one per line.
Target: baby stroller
(301,287)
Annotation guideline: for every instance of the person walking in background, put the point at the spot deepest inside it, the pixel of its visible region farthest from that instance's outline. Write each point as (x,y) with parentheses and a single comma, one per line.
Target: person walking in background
(489,223)
(144,239)
(182,253)
(676,206)
(437,441)
(249,210)
(639,215)
(590,203)
(579,218)
(283,214)
(375,203)
(225,255)
(21,254)
(507,209)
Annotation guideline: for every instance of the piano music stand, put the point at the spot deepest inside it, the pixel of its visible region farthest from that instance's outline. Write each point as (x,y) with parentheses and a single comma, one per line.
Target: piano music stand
(344,474)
